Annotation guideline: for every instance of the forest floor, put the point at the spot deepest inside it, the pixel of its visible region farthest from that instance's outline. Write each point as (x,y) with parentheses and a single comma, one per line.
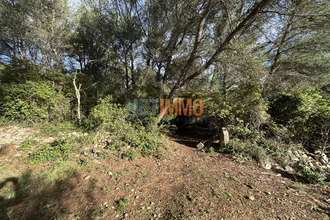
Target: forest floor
(184,184)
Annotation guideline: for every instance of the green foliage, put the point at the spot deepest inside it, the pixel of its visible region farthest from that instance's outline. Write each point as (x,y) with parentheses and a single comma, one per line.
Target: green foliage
(57,151)
(245,150)
(19,71)
(243,111)
(107,115)
(124,130)
(306,114)
(121,204)
(27,145)
(311,176)
(130,155)
(33,101)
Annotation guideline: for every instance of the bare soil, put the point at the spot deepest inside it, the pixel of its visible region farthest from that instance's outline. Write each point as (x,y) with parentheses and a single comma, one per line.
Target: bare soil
(185,184)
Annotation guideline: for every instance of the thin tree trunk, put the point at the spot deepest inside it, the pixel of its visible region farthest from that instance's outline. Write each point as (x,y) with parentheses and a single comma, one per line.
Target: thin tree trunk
(77,89)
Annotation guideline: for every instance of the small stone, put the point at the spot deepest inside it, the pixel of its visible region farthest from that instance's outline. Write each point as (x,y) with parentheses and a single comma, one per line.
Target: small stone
(126,215)
(278,174)
(323,161)
(267,165)
(117,216)
(200,146)
(323,167)
(294,159)
(148,208)
(268,193)
(288,168)
(136,197)
(250,197)
(132,190)
(304,156)
(87,177)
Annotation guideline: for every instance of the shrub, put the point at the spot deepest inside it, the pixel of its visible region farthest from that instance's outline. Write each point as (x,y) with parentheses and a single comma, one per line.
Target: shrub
(124,130)
(311,176)
(306,114)
(57,151)
(19,71)
(27,144)
(245,150)
(33,101)
(130,155)
(107,116)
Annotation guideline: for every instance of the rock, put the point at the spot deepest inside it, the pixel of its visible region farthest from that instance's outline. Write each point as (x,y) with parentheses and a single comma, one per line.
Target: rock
(267,165)
(311,165)
(125,215)
(224,137)
(288,169)
(277,166)
(200,146)
(278,174)
(87,177)
(294,158)
(304,156)
(295,153)
(250,197)
(318,152)
(323,161)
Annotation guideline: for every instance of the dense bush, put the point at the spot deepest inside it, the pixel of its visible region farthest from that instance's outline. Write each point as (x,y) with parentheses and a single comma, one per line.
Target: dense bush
(124,130)
(307,116)
(243,111)
(19,71)
(33,101)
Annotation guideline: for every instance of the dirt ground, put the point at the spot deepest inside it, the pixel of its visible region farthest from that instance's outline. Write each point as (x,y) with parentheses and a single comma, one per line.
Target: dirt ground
(184,184)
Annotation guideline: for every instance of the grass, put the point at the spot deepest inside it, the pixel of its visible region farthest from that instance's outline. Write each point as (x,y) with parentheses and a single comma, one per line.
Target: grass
(32,190)
(27,145)
(121,204)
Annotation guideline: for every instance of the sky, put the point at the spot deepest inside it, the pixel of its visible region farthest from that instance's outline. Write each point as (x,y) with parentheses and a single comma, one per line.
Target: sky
(74,4)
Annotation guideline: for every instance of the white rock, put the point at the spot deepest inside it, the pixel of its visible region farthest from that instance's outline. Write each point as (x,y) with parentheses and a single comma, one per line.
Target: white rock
(288,168)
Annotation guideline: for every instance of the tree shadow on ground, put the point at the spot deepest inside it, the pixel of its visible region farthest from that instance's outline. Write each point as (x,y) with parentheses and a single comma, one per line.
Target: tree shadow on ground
(34,197)
(290,176)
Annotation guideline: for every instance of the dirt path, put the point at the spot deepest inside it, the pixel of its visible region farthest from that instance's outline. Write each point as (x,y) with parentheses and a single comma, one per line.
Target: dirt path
(185,184)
